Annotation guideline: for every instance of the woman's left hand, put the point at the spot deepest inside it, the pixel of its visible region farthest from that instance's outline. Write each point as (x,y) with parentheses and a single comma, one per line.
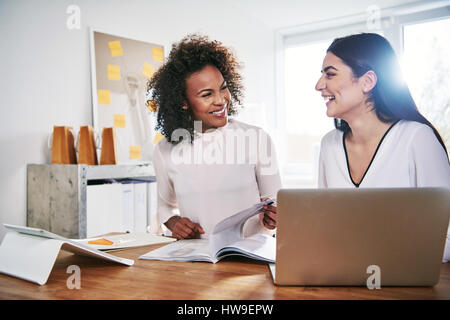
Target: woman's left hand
(269,217)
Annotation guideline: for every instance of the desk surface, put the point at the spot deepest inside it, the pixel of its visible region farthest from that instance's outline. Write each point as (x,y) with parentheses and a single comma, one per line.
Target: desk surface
(233,278)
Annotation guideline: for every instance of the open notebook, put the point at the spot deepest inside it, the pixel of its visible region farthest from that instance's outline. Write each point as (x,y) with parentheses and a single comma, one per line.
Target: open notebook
(225,240)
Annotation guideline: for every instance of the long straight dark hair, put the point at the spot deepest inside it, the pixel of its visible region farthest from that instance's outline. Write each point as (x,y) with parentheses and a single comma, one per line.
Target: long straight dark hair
(391,98)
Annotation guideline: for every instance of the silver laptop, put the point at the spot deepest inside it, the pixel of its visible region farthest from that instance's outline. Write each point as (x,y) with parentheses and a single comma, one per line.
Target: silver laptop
(339,237)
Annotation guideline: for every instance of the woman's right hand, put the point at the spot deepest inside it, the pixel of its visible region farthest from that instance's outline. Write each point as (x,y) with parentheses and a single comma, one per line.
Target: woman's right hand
(184,228)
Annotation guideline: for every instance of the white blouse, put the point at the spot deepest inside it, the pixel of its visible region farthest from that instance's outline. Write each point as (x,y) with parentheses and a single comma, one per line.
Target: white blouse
(222,172)
(408,156)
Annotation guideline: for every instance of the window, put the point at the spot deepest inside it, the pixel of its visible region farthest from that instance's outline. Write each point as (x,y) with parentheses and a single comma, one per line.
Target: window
(302,112)
(426,68)
(305,121)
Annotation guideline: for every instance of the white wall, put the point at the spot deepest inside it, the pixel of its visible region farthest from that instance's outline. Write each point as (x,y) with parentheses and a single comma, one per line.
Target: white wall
(45,68)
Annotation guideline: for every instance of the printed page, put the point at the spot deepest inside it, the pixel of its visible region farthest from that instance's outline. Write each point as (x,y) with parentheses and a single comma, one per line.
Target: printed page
(230,229)
(258,246)
(182,250)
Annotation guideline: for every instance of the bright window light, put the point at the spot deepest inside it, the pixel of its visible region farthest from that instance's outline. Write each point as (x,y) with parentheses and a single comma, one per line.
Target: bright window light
(305,112)
(305,107)
(426,68)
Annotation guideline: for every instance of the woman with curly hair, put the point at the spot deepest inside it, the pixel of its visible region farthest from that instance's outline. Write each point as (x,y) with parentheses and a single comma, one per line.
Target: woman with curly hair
(208,166)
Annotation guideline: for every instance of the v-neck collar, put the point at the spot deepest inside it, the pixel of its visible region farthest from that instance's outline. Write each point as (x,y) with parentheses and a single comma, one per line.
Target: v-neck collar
(373,157)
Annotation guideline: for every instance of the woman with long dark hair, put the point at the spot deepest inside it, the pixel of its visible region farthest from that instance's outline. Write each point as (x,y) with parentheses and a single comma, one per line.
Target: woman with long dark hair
(381,139)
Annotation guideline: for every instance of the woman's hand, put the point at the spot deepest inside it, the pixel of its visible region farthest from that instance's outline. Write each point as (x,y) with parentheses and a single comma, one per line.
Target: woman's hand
(184,228)
(269,216)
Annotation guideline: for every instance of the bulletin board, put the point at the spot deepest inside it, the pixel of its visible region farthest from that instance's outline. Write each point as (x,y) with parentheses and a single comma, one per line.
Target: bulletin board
(120,69)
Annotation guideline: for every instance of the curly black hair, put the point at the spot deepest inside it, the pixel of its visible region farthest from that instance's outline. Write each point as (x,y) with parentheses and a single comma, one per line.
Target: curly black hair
(167,87)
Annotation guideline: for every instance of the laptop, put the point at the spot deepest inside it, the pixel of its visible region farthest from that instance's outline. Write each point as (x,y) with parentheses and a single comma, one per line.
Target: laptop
(339,237)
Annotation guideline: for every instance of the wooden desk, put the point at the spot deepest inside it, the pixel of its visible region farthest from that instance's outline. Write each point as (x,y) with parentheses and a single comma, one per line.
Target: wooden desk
(236,278)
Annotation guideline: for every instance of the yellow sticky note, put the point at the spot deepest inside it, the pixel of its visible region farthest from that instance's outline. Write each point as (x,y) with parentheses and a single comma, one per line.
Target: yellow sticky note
(119,120)
(148,70)
(152,106)
(158,54)
(101,242)
(113,72)
(104,96)
(158,137)
(115,48)
(135,152)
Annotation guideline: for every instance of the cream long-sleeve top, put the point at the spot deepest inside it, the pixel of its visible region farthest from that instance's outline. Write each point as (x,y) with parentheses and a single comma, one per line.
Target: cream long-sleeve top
(409,156)
(224,171)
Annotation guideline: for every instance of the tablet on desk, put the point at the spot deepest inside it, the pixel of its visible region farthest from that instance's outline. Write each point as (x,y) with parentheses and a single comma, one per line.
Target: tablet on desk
(69,244)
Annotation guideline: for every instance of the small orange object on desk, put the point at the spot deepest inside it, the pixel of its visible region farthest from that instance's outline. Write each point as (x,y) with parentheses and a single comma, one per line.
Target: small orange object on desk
(101,242)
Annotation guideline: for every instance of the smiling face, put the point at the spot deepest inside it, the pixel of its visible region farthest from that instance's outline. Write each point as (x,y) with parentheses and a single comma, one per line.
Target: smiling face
(208,97)
(344,94)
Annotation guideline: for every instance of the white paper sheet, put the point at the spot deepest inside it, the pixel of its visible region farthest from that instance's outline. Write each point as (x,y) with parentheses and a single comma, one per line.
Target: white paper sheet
(230,230)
